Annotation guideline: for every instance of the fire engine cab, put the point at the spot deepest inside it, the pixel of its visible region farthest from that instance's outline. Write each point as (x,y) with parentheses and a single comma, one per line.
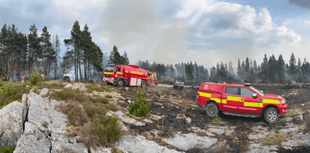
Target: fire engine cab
(240,100)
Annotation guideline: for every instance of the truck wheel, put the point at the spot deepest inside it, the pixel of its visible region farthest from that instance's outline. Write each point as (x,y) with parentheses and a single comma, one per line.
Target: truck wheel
(120,83)
(271,115)
(143,84)
(212,110)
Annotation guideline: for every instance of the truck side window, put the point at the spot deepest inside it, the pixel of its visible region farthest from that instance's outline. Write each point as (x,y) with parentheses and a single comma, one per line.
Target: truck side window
(246,92)
(118,69)
(232,90)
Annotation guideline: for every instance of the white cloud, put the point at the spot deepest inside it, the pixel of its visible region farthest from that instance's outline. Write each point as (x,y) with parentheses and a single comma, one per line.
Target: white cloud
(235,30)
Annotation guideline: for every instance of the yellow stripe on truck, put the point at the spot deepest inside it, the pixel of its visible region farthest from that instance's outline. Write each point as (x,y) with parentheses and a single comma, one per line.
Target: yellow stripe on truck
(107,72)
(136,73)
(217,100)
(232,98)
(119,73)
(224,101)
(203,94)
(249,104)
(271,101)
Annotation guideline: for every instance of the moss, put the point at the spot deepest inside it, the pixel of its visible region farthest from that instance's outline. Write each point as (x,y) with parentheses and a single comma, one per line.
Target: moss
(202,133)
(108,96)
(7,149)
(36,90)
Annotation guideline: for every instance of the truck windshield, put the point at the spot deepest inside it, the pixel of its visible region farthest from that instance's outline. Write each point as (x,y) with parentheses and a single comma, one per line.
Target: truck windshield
(108,69)
(257,91)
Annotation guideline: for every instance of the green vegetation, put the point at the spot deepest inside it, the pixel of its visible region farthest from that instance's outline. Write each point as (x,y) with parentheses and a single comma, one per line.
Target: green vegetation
(108,96)
(12,91)
(34,77)
(280,138)
(7,149)
(141,106)
(36,90)
(50,85)
(202,133)
(217,121)
(102,129)
(8,89)
(1,83)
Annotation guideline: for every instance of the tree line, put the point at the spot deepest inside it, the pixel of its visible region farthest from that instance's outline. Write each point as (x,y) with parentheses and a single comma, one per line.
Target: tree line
(20,53)
(272,69)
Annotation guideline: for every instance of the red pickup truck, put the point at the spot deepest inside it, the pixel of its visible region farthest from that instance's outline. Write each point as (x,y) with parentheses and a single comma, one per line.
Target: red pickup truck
(240,100)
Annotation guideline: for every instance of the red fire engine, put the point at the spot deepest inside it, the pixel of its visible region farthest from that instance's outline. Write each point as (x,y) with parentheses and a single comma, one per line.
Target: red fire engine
(131,75)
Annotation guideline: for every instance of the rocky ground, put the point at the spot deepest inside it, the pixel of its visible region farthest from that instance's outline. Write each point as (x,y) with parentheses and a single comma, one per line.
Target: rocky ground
(175,124)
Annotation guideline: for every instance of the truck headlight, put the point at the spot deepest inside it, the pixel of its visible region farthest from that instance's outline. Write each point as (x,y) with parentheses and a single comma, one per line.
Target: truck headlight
(283,101)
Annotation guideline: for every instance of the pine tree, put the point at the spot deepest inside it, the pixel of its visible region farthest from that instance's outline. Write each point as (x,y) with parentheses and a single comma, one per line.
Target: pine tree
(280,68)
(292,66)
(57,51)
(35,49)
(126,58)
(48,54)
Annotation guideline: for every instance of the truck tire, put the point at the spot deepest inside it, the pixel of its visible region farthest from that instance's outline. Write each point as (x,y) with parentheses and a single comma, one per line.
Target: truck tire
(271,115)
(212,110)
(120,83)
(143,84)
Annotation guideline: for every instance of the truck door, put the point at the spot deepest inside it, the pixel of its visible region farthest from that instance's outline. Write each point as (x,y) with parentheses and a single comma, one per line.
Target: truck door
(250,103)
(231,99)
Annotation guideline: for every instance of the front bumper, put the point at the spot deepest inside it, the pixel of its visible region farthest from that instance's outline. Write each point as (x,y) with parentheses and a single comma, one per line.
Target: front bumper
(282,108)
(108,80)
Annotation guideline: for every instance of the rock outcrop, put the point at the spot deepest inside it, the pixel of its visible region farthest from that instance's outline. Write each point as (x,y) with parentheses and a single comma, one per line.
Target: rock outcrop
(11,124)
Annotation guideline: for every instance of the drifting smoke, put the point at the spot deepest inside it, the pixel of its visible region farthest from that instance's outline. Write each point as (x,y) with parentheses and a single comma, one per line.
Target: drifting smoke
(133,26)
(300,3)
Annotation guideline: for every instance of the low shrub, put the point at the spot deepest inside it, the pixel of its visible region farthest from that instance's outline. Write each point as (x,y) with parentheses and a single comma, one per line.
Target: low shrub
(108,96)
(69,94)
(111,107)
(20,89)
(36,90)
(202,133)
(8,89)
(76,115)
(107,128)
(34,77)
(217,121)
(7,149)
(95,88)
(141,106)
(100,99)
(1,83)
(50,85)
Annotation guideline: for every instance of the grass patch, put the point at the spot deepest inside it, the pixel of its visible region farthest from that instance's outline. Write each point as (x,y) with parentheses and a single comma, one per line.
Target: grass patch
(7,149)
(276,140)
(100,99)
(36,90)
(122,104)
(12,91)
(95,88)
(141,106)
(76,115)
(108,96)
(202,133)
(217,121)
(101,131)
(50,85)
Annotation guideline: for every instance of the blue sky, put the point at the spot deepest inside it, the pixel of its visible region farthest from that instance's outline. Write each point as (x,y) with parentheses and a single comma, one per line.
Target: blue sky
(172,31)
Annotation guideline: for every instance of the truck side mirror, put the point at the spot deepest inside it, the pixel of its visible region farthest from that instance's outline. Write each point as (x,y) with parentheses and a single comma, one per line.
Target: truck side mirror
(254,95)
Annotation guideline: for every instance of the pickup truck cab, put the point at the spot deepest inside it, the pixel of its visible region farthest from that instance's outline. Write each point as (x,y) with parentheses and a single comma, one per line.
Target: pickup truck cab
(240,100)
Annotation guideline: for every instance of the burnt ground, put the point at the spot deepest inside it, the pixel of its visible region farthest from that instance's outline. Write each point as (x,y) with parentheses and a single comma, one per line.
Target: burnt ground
(175,107)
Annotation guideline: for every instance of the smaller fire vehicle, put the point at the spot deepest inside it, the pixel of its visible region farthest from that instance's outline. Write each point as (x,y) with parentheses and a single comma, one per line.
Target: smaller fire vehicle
(240,100)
